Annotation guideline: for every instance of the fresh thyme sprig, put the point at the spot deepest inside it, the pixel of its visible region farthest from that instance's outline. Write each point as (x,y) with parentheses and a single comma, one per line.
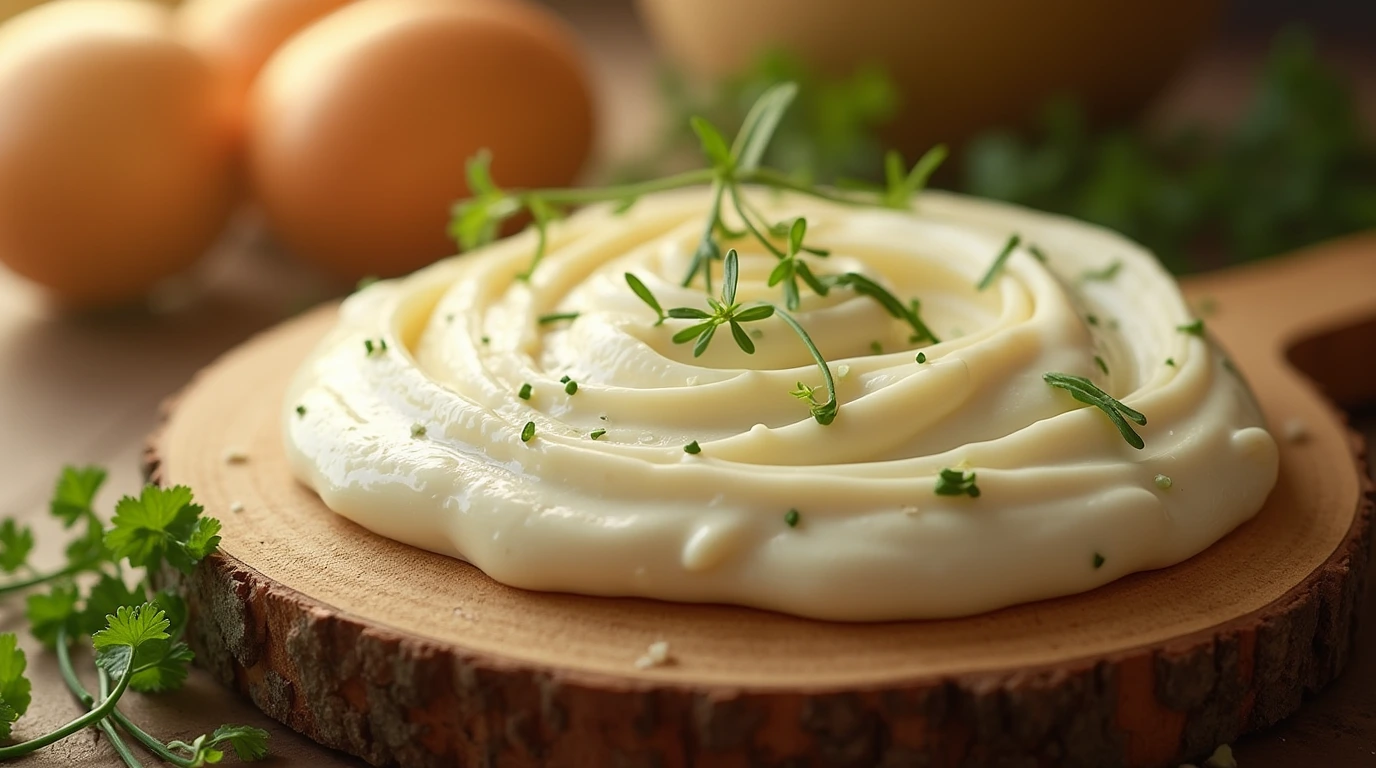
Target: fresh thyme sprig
(727,311)
(477,220)
(732,169)
(1086,391)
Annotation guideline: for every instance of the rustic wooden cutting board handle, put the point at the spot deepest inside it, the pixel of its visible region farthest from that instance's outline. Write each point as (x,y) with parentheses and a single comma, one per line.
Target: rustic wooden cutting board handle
(409,658)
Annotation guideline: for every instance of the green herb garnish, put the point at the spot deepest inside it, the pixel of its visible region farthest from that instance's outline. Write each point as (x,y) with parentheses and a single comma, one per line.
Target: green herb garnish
(555,317)
(791,518)
(999,261)
(1103,366)
(1297,168)
(1170,361)
(300,410)
(1086,391)
(528,432)
(1098,561)
(525,391)
(596,433)
(953,482)
(733,169)
(570,387)
(137,640)
(1102,275)
(921,357)
(1194,329)
(692,448)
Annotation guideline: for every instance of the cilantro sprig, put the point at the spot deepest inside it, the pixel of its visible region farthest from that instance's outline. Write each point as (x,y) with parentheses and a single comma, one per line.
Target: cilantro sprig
(103,593)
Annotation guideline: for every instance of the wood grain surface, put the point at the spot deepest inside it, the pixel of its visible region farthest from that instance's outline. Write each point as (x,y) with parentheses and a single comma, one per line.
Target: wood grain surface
(88,389)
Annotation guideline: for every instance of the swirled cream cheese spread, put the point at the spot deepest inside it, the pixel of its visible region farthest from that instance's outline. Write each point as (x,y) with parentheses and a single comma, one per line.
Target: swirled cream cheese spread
(551,432)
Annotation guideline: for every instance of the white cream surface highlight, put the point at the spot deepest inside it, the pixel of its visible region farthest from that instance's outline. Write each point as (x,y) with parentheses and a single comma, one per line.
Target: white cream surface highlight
(1065,503)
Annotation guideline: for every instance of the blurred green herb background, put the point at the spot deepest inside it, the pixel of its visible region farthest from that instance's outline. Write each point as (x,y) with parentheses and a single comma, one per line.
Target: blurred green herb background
(1297,168)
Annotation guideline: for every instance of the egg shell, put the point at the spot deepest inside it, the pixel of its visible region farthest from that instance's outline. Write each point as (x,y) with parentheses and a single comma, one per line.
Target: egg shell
(116,154)
(238,36)
(360,127)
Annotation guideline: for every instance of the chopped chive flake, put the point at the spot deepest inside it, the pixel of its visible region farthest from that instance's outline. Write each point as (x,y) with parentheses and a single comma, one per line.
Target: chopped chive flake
(791,518)
(1170,361)
(570,386)
(1103,366)
(300,410)
(596,433)
(1163,482)
(564,379)
(417,430)
(999,261)
(876,348)
(1194,329)
(368,347)
(487,339)
(525,392)
(953,482)
(1107,273)
(1092,319)
(528,432)
(692,448)
(1098,561)
(921,357)
(1037,253)
(555,317)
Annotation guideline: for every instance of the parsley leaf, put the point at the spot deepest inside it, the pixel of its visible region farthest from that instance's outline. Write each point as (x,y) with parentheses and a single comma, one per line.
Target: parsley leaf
(75,494)
(56,610)
(162,525)
(105,598)
(130,628)
(14,686)
(160,665)
(249,743)
(15,545)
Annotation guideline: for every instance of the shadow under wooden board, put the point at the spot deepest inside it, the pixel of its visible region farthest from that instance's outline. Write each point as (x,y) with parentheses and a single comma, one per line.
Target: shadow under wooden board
(406,657)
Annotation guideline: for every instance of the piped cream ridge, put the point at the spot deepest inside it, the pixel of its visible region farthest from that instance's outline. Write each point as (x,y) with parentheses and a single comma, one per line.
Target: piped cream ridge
(422,442)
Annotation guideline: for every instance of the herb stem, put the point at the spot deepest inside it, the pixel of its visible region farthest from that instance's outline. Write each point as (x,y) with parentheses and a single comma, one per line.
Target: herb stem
(41,578)
(825,413)
(585,195)
(148,740)
(773,178)
(750,225)
(102,710)
(701,259)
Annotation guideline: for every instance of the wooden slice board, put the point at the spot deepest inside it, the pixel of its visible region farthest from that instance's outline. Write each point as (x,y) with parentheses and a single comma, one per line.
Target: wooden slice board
(410,658)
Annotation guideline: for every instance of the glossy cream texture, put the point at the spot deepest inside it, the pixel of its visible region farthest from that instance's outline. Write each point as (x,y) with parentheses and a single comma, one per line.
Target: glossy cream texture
(422,443)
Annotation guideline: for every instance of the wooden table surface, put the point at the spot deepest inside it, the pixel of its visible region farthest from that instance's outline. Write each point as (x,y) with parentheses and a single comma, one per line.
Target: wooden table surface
(87,390)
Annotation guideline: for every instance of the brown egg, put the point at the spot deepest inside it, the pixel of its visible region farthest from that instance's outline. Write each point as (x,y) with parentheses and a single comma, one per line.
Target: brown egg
(361,125)
(9,8)
(238,36)
(116,156)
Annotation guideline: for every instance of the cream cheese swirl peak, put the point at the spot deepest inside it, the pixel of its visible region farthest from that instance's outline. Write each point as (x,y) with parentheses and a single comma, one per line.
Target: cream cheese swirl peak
(552,433)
